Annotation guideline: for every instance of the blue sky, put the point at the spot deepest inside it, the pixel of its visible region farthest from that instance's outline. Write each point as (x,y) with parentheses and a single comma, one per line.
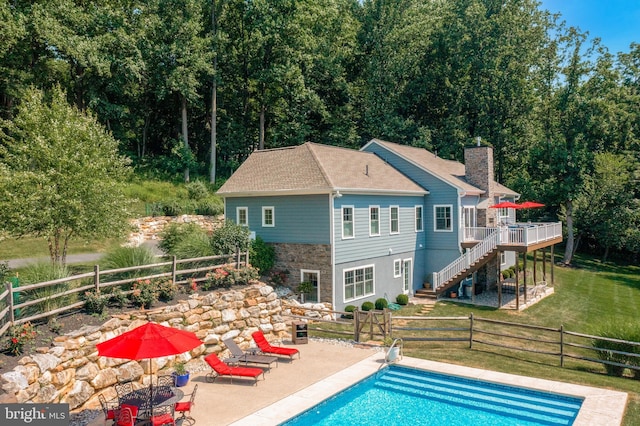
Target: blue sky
(616,22)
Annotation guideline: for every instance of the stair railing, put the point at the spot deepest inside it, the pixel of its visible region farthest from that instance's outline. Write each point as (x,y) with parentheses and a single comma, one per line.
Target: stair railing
(466,260)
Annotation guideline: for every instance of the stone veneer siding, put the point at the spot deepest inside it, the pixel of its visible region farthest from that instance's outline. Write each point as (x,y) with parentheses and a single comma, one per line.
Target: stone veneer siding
(316,257)
(70,371)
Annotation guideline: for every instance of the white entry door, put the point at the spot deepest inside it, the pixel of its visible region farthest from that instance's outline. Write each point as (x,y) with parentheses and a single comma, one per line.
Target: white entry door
(407,275)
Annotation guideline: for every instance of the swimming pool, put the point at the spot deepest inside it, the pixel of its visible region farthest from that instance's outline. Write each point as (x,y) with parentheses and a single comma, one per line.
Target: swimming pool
(407,396)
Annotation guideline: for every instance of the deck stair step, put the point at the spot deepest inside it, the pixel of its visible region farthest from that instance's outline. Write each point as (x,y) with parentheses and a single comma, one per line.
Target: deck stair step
(531,406)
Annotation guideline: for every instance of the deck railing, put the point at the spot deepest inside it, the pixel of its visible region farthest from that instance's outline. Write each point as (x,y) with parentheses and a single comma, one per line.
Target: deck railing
(520,234)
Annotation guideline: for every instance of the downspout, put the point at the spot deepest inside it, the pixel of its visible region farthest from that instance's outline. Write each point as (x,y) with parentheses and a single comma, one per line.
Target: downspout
(333,249)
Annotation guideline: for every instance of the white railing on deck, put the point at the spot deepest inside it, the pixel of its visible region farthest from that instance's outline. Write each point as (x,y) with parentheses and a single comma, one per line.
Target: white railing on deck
(517,234)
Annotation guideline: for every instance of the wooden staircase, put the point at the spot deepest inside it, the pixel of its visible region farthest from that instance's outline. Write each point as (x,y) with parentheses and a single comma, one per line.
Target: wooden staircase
(455,280)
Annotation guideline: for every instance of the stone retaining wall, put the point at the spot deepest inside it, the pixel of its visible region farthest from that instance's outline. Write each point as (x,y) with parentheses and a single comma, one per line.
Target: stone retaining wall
(71,371)
(148,228)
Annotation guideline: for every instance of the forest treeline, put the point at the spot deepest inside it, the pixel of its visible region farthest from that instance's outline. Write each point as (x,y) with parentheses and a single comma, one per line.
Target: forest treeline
(194,86)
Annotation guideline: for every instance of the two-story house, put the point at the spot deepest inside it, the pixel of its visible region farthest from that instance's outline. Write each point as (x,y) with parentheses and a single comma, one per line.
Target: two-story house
(360,225)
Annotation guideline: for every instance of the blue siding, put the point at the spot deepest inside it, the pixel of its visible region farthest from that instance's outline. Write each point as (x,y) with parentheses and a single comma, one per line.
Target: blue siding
(364,246)
(385,284)
(298,219)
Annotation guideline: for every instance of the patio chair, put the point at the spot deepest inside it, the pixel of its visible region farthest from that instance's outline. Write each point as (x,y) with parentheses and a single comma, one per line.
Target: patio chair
(126,416)
(238,355)
(123,388)
(266,348)
(185,407)
(166,380)
(110,410)
(162,415)
(222,369)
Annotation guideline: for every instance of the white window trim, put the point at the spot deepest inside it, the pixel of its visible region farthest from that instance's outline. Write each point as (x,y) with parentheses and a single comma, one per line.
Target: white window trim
(353,222)
(312,271)
(410,275)
(421,218)
(246,211)
(397,268)
(373,291)
(273,216)
(391,220)
(435,217)
(378,208)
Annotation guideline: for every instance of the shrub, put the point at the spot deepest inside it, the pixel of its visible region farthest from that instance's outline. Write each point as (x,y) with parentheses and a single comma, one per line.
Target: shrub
(278,278)
(227,276)
(197,190)
(381,304)
(41,272)
(144,294)
(402,299)
(607,349)
(117,297)
(262,255)
(95,302)
(124,257)
(350,309)
(167,289)
(229,238)
(210,207)
(198,245)
(367,306)
(20,335)
(175,234)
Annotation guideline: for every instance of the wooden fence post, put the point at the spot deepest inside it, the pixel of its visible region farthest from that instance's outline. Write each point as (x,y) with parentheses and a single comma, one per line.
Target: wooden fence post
(10,290)
(562,346)
(356,325)
(471,330)
(173,269)
(96,278)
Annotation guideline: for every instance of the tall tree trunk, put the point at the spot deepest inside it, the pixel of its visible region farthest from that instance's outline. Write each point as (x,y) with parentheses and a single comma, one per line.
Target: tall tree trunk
(262,114)
(185,136)
(214,99)
(568,251)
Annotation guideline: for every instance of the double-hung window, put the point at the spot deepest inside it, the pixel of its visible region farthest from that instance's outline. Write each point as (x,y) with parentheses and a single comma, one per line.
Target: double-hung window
(358,283)
(268,216)
(442,220)
(394,220)
(242,216)
(419,223)
(347,222)
(374,220)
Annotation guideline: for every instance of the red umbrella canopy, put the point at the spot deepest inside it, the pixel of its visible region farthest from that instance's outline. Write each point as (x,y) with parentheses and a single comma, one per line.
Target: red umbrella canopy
(506,205)
(150,340)
(530,205)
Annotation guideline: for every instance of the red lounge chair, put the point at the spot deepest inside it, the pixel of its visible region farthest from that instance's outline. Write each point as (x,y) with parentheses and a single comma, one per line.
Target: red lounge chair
(222,369)
(266,348)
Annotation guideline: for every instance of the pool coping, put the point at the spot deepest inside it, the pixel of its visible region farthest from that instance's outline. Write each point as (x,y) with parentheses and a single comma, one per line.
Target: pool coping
(600,406)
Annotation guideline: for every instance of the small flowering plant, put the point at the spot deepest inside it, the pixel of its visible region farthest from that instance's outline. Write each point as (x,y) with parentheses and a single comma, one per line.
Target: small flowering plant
(95,302)
(278,278)
(227,276)
(19,335)
(145,293)
(166,289)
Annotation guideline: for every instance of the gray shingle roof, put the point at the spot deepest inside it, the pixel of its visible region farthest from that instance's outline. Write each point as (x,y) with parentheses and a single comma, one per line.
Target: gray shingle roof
(314,169)
(450,171)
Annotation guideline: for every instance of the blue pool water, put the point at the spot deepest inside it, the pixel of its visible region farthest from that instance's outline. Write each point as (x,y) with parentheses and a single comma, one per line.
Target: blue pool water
(405,396)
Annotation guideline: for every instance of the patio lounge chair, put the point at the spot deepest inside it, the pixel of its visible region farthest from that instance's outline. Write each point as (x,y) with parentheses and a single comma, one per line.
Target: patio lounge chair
(222,369)
(238,355)
(266,348)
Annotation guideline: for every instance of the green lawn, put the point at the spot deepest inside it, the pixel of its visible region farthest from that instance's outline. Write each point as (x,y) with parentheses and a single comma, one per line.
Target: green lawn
(29,247)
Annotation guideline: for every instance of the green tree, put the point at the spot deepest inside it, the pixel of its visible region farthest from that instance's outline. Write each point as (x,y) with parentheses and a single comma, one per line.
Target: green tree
(60,174)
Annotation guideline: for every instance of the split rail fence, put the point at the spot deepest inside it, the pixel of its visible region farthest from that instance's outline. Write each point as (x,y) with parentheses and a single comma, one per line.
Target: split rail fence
(534,343)
(64,295)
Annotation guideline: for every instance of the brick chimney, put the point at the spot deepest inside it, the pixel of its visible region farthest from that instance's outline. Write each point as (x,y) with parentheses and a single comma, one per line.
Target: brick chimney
(478,162)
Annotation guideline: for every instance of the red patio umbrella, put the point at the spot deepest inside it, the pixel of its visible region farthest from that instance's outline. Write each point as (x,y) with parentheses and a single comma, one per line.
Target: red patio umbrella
(506,205)
(148,341)
(530,205)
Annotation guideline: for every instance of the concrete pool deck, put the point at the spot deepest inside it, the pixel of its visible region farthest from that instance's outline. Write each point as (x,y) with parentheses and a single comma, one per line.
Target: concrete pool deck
(326,368)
